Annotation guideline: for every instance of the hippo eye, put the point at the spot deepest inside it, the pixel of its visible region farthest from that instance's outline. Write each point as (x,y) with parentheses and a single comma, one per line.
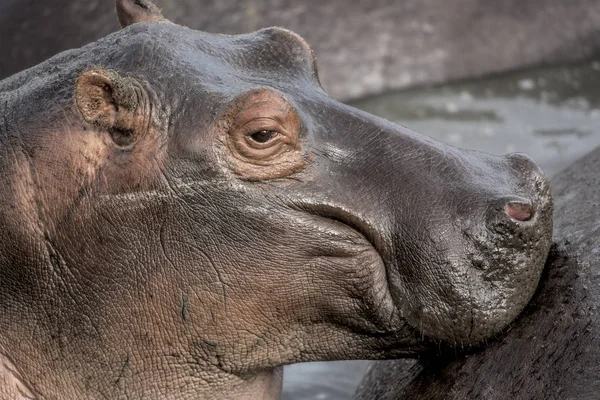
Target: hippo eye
(263,136)
(262,130)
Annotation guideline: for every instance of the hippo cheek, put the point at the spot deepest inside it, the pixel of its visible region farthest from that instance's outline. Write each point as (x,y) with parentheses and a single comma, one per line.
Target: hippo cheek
(478,278)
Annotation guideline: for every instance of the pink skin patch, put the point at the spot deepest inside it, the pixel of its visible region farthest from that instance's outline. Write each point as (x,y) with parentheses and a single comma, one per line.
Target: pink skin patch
(519,211)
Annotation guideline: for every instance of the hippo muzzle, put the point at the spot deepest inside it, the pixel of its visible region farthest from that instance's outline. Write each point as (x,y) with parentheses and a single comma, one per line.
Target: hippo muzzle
(481,264)
(463,235)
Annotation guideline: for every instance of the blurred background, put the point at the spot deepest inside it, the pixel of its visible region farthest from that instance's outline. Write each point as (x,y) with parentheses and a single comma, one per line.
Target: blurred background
(494,75)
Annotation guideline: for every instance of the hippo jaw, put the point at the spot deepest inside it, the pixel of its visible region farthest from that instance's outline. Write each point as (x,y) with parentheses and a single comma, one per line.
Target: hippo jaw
(465,277)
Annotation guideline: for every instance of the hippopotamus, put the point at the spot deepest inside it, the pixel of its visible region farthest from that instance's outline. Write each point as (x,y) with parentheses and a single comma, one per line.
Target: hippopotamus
(552,351)
(364,48)
(184,213)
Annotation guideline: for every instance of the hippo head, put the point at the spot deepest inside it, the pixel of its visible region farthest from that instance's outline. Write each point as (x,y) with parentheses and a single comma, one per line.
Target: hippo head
(194,206)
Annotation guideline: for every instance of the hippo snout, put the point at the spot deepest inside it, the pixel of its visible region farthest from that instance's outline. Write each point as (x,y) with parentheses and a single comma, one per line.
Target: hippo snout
(481,263)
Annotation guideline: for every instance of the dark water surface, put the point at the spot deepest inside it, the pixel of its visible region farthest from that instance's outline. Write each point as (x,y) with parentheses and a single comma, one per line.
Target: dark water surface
(552,114)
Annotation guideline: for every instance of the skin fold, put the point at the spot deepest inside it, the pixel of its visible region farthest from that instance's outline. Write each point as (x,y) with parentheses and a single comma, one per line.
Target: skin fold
(184,213)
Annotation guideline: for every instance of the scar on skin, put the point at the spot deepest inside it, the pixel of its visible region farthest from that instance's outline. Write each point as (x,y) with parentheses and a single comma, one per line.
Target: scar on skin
(122,370)
(184,308)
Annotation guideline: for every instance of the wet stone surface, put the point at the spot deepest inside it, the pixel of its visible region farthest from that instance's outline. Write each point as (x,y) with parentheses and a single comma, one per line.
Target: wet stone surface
(552,114)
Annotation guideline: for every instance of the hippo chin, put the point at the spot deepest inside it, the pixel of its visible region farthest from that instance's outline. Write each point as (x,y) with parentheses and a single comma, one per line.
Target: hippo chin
(184,213)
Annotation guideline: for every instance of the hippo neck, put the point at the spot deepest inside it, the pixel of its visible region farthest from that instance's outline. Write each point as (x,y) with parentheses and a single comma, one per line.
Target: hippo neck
(265,386)
(18,383)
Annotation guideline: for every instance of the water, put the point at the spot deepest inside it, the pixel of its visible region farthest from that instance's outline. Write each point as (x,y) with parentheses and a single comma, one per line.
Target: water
(552,114)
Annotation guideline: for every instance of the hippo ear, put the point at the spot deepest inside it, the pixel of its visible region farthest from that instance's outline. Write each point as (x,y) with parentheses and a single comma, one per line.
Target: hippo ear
(112,102)
(132,11)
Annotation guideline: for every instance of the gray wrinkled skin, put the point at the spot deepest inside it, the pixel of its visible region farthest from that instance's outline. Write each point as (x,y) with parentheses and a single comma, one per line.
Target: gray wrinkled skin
(145,256)
(552,350)
(364,47)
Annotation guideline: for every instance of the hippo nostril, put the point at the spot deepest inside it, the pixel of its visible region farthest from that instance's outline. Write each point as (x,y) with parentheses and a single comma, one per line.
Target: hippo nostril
(510,208)
(519,210)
